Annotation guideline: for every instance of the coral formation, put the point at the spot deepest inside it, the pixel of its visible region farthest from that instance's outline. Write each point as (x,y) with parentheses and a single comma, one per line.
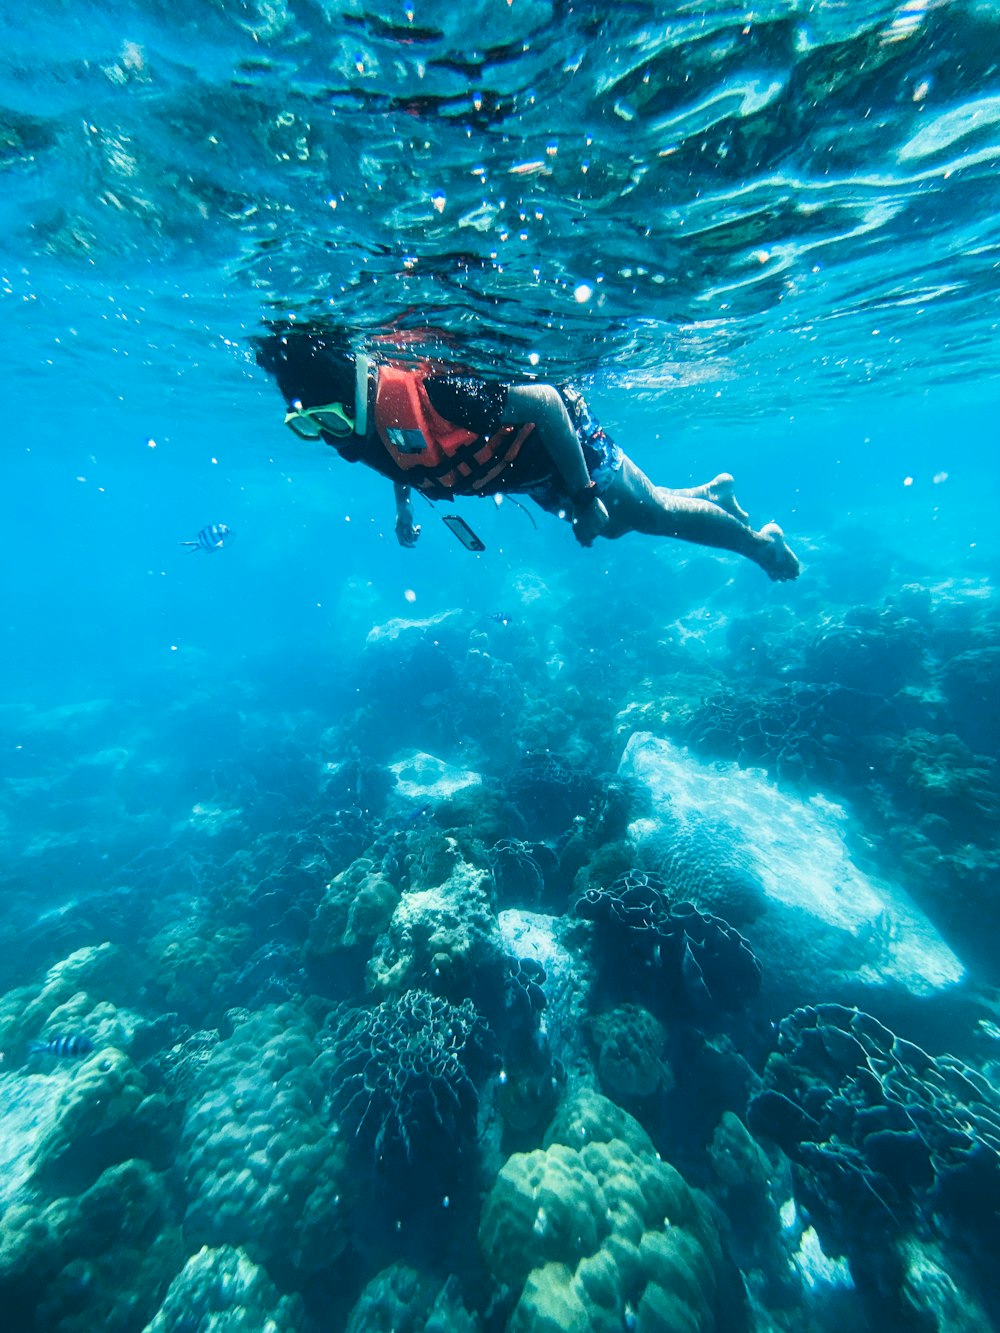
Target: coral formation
(679,955)
(405,1077)
(549,793)
(222,1290)
(402,1300)
(356,907)
(631,1053)
(594,1233)
(88,1229)
(443,939)
(262,1168)
(882,1132)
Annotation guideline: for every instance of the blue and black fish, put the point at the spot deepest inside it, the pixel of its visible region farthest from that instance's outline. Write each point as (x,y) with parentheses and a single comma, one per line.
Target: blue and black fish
(213,538)
(501,617)
(70,1046)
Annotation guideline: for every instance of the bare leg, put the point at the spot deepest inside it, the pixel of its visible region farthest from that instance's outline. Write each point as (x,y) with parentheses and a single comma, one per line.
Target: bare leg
(719,491)
(636,505)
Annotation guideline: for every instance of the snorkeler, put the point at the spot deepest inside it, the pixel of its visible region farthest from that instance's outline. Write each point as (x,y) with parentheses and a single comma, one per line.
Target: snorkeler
(449,434)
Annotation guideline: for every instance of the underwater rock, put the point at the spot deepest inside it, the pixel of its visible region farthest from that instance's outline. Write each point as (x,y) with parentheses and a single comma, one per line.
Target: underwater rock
(936,1294)
(402,1300)
(443,939)
(969,682)
(222,1290)
(827,923)
(405,1078)
(595,1233)
(261,1167)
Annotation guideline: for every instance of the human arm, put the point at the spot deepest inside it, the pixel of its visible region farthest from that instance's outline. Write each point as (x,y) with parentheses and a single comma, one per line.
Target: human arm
(407,531)
(543,405)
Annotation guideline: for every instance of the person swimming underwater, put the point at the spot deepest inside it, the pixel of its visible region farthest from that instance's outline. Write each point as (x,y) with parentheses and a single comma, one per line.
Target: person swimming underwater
(447,433)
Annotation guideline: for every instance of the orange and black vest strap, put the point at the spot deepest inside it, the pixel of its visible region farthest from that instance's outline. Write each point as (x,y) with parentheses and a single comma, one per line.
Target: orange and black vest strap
(436,452)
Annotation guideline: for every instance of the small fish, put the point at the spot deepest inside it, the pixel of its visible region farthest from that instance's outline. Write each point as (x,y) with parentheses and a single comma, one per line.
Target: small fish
(501,617)
(69,1047)
(415,816)
(212,538)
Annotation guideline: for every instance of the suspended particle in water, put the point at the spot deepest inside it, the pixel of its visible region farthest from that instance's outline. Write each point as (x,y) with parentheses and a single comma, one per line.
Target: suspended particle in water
(582,293)
(409,595)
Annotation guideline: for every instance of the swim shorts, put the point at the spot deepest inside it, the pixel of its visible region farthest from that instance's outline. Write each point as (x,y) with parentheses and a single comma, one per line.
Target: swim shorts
(602,456)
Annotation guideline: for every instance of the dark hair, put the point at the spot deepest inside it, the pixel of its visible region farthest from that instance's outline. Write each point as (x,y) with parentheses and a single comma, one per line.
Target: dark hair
(311,368)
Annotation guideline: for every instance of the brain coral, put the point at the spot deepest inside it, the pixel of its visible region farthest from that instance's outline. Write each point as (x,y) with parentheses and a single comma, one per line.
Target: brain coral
(597,1234)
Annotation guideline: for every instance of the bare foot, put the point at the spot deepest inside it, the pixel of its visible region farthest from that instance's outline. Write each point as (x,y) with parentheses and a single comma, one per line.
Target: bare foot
(720,490)
(776,558)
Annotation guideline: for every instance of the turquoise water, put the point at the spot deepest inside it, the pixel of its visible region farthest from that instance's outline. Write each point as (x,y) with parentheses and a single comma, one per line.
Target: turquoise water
(364,868)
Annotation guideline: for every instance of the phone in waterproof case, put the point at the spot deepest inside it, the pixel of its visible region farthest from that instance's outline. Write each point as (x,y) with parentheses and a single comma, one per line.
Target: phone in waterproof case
(464,533)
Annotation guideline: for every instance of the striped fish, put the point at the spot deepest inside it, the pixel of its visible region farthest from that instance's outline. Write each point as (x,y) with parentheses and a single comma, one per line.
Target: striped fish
(68,1047)
(212,538)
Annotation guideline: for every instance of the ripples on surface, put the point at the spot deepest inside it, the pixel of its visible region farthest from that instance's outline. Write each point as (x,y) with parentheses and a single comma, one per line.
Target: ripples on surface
(797,196)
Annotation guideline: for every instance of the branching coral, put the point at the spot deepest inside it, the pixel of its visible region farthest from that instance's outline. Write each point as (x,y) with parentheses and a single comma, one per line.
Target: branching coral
(880,1129)
(684,957)
(405,1076)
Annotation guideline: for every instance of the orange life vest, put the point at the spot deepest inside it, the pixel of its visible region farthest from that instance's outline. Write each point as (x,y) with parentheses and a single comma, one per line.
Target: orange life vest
(439,454)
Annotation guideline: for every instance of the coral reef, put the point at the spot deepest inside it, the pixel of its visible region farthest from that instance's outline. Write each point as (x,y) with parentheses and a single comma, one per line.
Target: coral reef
(883,1134)
(594,1233)
(402,1300)
(405,1077)
(222,1290)
(444,939)
(680,957)
(262,1168)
